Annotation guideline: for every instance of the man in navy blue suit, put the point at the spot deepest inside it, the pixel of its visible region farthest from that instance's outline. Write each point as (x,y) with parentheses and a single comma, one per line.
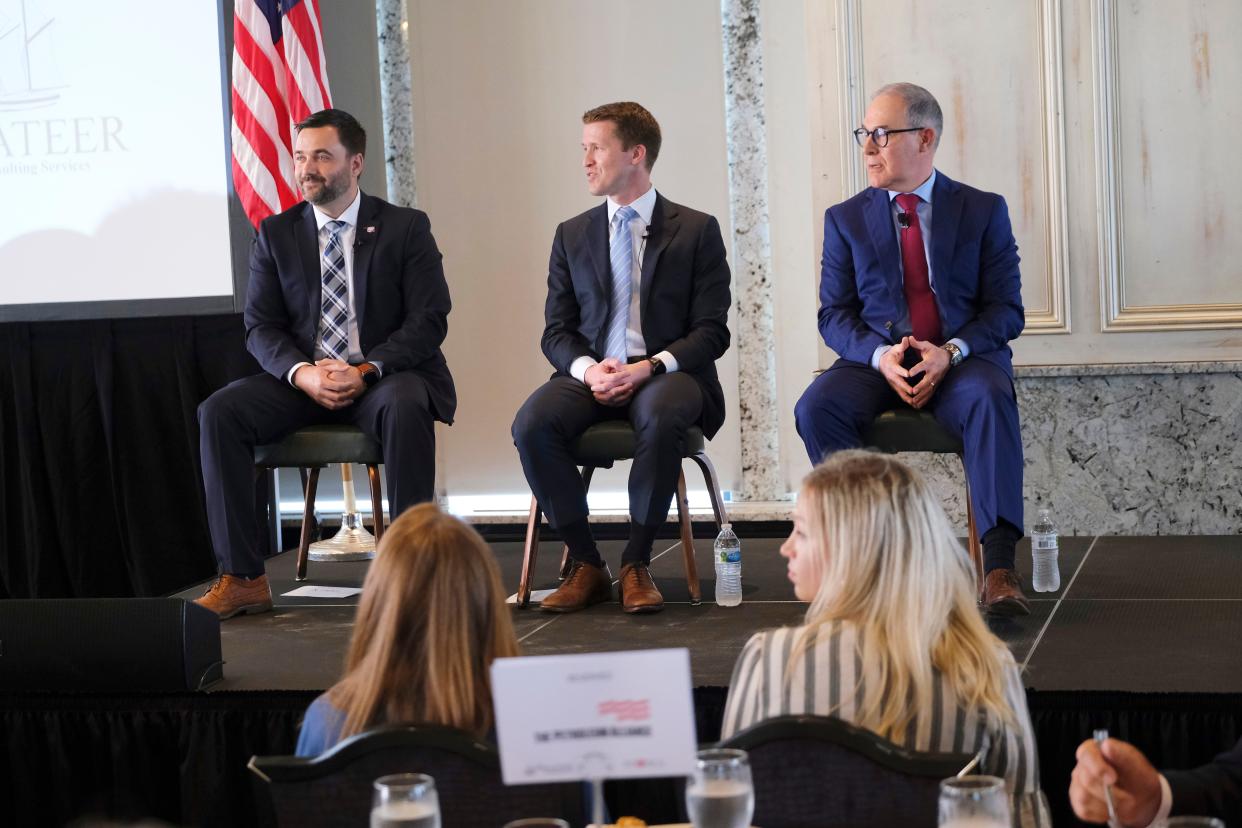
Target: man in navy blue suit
(635,319)
(920,295)
(345,311)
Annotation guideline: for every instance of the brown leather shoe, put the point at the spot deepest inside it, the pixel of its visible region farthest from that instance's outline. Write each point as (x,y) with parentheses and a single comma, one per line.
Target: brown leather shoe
(231,595)
(638,591)
(583,586)
(1002,594)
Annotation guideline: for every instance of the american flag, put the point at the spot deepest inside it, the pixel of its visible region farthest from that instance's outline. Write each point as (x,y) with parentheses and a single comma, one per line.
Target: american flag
(279,78)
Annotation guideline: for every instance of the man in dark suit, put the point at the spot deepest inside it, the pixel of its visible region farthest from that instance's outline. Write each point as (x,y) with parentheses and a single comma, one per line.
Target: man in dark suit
(1142,796)
(345,311)
(636,316)
(919,297)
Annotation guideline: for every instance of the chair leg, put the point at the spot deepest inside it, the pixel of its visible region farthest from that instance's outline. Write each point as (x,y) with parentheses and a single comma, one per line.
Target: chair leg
(713,486)
(687,540)
(308,520)
(972,538)
(529,553)
(377,500)
(273,511)
(587,473)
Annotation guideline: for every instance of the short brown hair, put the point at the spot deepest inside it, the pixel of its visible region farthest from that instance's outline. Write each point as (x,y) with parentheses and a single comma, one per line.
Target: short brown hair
(634,125)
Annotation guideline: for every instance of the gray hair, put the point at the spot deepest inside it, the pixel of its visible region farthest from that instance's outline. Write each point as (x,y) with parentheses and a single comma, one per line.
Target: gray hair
(922,109)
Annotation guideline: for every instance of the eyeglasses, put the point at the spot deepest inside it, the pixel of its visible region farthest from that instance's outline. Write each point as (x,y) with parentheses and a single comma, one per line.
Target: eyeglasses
(879,135)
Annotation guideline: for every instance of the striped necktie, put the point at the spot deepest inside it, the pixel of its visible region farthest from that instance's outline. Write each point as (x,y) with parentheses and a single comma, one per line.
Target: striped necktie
(622,259)
(334,302)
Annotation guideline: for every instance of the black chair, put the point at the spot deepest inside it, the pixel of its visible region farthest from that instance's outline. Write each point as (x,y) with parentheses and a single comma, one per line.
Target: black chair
(310,449)
(821,772)
(599,447)
(334,789)
(909,429)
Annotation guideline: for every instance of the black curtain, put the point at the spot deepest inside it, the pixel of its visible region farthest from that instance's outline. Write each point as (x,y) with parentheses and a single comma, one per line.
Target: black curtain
(100,486)
(182,758)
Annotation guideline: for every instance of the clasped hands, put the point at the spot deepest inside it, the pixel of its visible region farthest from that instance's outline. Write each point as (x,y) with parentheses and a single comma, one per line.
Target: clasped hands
(332,383)
(613,382)
(915,390)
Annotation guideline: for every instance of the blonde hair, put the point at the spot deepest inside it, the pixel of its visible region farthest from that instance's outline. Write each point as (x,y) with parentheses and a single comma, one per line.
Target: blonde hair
(892,568)
(431,620)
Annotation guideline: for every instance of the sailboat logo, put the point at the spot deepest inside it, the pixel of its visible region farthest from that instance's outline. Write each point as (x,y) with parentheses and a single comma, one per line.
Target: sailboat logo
(28,76)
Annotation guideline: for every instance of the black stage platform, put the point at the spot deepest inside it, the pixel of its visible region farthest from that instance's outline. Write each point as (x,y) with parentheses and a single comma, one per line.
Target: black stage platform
(1124,603)
(1142,639)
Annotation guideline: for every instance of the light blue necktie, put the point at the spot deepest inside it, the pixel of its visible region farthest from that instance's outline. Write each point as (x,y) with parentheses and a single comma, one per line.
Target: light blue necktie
(334,302)
(622,258)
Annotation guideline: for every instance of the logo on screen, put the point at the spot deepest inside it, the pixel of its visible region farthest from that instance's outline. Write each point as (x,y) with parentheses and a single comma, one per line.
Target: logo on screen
(28,74)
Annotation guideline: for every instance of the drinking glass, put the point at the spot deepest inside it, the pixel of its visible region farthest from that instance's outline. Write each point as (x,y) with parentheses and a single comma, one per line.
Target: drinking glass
(720,794)
(1193,822)
(405,800)
(974,802)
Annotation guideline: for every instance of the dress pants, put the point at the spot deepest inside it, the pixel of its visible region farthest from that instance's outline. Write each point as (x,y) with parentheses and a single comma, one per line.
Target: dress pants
(975,401)
(261,409)
(562,408)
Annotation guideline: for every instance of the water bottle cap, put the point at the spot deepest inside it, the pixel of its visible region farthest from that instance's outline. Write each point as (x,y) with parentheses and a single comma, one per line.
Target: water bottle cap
(725,526)
(1045,512)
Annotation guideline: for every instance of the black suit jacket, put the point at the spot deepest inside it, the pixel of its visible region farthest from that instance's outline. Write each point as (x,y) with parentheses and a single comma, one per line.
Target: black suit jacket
(684,300)
(1214,789)
(401,296)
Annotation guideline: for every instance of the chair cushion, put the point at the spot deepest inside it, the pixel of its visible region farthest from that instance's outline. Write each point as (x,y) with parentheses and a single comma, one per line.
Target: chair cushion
(320,445)
(907,429)
(604,443)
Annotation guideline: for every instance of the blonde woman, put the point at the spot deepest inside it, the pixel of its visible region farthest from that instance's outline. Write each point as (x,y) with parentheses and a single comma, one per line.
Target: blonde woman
(892,640)
(431,620)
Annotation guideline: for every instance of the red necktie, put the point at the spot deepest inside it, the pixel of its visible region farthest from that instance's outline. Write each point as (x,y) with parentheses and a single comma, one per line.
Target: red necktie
(924,316)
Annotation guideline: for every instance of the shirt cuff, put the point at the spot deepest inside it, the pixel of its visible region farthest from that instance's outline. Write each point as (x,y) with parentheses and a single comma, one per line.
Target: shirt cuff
(1166,803)
(961,346)
(880,351)
(670,361)
(379,367)
(579,366)
(292,371)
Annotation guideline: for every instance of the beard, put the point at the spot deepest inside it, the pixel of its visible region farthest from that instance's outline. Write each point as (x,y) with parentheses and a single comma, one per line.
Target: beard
(319,190)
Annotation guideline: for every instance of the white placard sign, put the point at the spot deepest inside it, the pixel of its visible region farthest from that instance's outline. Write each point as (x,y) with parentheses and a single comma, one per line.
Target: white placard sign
(594,716)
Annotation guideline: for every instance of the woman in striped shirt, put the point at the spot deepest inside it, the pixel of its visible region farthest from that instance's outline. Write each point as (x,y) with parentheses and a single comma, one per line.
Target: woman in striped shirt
(892,640)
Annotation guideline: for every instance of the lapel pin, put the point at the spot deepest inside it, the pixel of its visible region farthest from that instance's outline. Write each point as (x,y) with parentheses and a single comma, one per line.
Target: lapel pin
(370,228)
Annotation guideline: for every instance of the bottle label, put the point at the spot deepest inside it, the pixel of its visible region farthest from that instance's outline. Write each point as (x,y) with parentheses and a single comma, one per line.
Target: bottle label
(1044,543)
(730,555)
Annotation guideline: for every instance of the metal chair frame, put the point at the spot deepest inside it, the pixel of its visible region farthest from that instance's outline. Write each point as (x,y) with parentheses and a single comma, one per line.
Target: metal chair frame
(535,518)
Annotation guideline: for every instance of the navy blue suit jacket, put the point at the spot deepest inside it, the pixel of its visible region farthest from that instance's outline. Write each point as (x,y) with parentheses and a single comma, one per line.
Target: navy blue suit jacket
(401,297)
(684,295)
(974,270)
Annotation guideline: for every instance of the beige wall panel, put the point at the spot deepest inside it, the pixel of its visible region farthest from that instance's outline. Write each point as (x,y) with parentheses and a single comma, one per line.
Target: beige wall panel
(984,63)
(499,89)
(1176,180)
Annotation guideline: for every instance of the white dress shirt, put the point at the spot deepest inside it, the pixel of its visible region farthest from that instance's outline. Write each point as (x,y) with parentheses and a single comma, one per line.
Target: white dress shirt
(635,345)
(350,216)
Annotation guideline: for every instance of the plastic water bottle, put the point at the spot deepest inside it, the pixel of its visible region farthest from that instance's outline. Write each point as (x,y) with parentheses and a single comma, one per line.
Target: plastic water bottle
(728,556)
(1046,574)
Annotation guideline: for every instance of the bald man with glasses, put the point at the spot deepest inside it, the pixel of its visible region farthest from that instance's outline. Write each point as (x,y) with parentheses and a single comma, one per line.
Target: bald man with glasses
(920,295)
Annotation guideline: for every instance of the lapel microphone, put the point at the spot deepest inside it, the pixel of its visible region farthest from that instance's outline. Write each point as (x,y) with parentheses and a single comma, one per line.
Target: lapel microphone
(903,220)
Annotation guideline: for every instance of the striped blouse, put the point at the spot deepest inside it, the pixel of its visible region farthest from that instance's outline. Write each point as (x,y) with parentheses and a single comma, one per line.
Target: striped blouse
(825,683)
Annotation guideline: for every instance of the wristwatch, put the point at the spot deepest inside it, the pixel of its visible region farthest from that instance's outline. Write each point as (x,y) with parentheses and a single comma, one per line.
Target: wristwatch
(370,374)
(955,354)
(657,366)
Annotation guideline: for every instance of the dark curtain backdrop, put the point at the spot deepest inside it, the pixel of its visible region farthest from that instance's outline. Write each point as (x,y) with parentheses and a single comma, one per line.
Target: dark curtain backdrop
(100,487)
(182,758)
